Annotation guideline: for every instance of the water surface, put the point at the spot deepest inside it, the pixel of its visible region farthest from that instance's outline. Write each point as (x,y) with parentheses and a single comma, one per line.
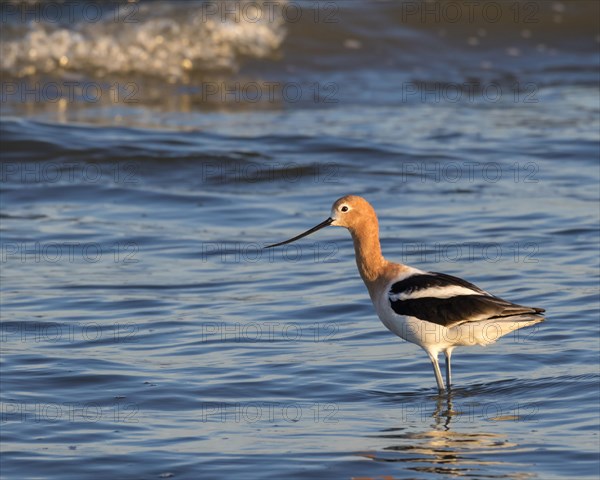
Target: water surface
(146,334)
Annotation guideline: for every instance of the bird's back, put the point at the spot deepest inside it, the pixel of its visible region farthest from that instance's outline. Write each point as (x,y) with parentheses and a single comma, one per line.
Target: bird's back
(430,308)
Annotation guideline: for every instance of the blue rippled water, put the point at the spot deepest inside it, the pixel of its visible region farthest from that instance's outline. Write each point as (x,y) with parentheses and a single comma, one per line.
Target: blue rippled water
(145,332)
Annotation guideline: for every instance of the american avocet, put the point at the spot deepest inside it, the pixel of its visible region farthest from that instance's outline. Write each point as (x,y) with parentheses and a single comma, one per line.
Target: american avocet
(436,311)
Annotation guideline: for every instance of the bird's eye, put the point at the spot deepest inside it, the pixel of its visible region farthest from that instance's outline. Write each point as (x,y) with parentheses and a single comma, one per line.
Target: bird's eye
(344,208)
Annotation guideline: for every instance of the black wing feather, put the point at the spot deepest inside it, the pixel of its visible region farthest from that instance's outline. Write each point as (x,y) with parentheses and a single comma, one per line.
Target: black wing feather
(454,310)
(432,280)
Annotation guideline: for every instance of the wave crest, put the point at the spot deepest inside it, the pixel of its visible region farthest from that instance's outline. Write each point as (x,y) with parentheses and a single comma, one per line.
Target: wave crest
(174,40)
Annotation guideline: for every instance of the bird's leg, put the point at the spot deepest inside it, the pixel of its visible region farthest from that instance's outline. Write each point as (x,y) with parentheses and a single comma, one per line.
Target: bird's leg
(436,370)
(448,353)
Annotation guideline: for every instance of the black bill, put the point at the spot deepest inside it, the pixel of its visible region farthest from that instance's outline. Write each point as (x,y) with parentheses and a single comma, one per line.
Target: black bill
(324,224)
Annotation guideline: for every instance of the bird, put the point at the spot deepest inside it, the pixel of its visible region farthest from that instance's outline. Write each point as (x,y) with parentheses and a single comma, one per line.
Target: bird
(435,311)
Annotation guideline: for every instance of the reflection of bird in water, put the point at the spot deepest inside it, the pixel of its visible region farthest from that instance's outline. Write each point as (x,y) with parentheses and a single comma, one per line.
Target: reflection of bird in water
(437,448)
(436,311)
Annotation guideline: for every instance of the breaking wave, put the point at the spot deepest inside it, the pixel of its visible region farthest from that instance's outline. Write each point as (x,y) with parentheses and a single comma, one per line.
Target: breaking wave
(169,40)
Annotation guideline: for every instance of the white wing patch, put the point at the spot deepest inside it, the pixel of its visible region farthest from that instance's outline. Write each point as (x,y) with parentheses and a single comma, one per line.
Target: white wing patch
(437,292)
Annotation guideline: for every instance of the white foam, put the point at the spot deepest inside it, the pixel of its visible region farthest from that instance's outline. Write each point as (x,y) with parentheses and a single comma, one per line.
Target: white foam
(171,40)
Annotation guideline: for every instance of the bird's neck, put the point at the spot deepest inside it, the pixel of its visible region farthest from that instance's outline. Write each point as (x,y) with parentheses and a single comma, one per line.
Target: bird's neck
(369,259)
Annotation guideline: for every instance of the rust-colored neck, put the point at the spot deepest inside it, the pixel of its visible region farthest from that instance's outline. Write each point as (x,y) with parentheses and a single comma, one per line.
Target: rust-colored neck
(367,249)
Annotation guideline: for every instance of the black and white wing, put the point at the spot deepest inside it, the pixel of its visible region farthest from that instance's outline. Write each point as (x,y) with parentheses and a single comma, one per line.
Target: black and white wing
(449,301)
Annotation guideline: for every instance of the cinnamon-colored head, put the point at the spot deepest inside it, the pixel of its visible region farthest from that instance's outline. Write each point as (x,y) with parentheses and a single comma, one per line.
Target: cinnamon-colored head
(354,213)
